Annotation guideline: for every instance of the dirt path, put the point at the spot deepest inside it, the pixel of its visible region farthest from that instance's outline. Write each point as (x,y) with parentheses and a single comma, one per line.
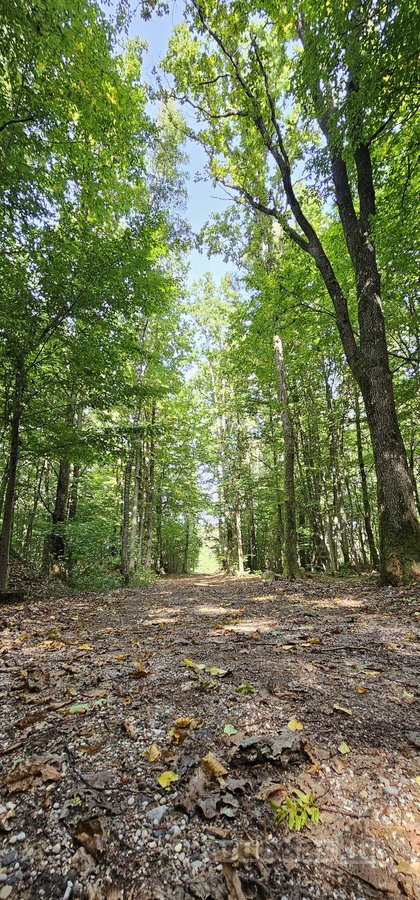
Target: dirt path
(89,683)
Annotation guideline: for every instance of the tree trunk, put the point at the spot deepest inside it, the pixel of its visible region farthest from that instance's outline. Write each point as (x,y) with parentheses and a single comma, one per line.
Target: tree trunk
(159,512)
(291,563)
(374,558)
(134,515)
(239,534)
(186,547)
(9,499)
(26,544)
(126,515)
(150,490)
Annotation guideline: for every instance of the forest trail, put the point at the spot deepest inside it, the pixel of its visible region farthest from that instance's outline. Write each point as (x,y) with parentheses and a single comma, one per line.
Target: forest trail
(103,693)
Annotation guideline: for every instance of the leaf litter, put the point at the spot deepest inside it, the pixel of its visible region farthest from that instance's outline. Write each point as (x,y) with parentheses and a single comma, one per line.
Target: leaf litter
(127,787)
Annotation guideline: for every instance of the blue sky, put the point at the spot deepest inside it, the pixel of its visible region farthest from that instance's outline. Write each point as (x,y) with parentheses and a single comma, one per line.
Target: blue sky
(203,198)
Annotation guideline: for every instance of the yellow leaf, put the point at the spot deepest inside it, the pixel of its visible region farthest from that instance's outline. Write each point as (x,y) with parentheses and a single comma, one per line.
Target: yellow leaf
(417,780)
(167,778)
(343,748)
(360,689)
(212,766)
(85,647)
(391,646)
(151,753)
(411,636)
(214,670)
(343,709)
(122,656)
(193,665)
(140,669)
(295,725)
(127,701)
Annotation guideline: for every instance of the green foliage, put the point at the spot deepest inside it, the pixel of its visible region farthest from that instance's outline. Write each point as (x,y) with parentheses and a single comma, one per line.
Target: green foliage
(297,812)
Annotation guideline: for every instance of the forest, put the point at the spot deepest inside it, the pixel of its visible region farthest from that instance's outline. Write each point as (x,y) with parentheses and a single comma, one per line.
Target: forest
(239,431)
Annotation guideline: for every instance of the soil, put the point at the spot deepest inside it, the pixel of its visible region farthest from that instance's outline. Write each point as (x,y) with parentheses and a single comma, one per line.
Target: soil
(102,694)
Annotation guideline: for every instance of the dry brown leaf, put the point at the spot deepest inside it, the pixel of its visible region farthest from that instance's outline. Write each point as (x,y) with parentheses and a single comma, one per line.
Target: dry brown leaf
(233,882)
(82,862)
(140,669)
(244,851)
(129,728)
(268,788)
(213,767)
(30,773)
(89,833)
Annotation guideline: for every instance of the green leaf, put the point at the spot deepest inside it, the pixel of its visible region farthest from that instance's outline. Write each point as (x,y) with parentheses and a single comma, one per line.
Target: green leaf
(230,729)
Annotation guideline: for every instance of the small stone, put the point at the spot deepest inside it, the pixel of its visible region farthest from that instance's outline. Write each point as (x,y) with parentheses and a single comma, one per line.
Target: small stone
(56,849)
(13,839)
(10,805)
(6,891)
(77,889)
(25,864)
(9,858)
(2,810)
(3,876)
(178,848)
(21,836)
(131,801)
(156,814)
(196,866)
(175,830)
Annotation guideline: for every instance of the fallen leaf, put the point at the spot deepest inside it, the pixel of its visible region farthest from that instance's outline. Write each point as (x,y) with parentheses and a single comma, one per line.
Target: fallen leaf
(343,709)
(230,729)
(212,766)
(360,689)
(151,753)
(295,725)
(408,696)
(218,673)
(121,656)
(246,688)
(194,665)
(140,669)
(30,773)
(343,748)
(129,728)
(84,647)
(233,882)
(417,780)
(83,707)
(89,833)
(268,788)
(167,778)
(244,851)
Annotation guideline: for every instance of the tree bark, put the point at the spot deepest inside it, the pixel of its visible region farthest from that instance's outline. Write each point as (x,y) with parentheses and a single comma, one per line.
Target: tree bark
(291,563)
(9,499)
(374,558)
(150,490)
(26,544)
(238,524)
(134,515)
(186,547)
(126,514)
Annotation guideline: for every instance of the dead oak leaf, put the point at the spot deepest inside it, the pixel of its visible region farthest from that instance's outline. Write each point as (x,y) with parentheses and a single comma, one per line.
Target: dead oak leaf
(89,833)
(30,773)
